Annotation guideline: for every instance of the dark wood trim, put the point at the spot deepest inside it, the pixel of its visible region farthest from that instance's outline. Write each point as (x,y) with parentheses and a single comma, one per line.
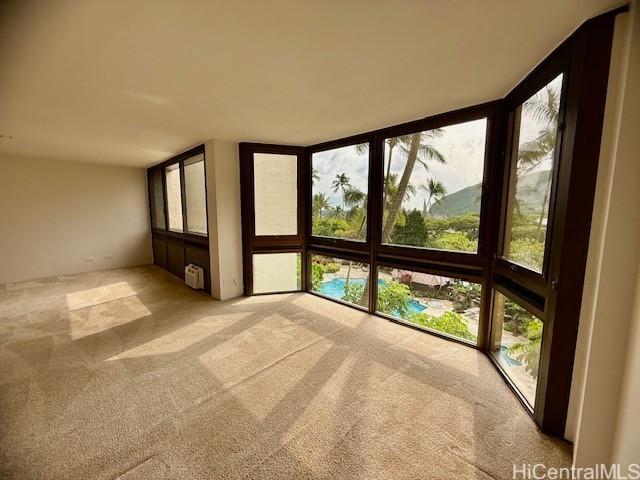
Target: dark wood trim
(587,89)
(246,214)
(360,258)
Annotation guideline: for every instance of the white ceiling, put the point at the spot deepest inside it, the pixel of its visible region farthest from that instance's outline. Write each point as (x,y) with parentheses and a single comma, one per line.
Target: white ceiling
(131,82)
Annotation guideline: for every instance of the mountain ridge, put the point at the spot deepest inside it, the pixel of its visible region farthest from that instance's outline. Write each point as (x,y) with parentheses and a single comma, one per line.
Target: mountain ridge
(531,191)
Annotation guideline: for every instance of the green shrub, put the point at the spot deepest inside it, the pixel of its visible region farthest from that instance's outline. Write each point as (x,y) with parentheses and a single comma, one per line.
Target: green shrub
(331,267)
(353,293)
(529,352)
(449,322)
(393,298)
(317,275)
(457,241)
(528,252)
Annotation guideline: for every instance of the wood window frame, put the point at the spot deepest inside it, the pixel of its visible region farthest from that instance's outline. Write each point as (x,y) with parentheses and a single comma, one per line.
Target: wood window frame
(256,244)
(192,245)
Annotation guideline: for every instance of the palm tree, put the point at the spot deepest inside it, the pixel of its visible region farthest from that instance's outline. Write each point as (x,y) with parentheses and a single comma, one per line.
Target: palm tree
(544,107)
(320,202)
(315,176)
(341,183)
(436,190)
(392,190)
(356,200)
(419,150)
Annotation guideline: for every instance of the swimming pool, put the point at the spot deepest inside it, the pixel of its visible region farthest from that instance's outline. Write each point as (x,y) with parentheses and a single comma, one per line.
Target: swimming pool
(335,289)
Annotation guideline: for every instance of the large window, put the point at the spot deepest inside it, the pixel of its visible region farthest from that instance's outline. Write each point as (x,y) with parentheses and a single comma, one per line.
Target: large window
(516,344)
(195,195)
(340,279)
(433,187)
(174,197)
(275,183)
(534,146)
(340,192)
(435,302)
(276,272)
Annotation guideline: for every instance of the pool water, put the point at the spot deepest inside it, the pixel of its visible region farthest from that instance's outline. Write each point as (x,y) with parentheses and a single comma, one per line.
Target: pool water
(335,289)
(504,354)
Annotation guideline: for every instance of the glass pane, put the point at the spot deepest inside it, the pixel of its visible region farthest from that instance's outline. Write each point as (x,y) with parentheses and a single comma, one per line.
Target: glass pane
(340,279)
(276,194)
(516,344)
(447,305)
(174,197)
(276,272)
(157,200)
(433,187)
(340,188)
(536,127)
(195,194)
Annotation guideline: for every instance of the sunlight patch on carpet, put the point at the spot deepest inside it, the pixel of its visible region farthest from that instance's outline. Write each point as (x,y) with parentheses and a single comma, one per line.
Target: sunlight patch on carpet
(98,295)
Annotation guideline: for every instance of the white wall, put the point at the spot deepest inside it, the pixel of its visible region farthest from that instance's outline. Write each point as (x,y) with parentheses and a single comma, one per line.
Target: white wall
(55,214)
(601,420)
(626,446)
(225,230)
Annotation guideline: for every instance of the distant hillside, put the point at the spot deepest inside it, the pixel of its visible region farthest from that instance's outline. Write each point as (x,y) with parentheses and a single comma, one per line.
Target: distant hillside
(467,201)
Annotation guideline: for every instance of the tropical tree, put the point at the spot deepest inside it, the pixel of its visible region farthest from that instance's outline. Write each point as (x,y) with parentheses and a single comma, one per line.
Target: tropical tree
(413,232)
(320,202)
(449,322)
(341,183)
(544,108)
(418,149)
(315,176)
(436,191)
(356,200)
(391,191)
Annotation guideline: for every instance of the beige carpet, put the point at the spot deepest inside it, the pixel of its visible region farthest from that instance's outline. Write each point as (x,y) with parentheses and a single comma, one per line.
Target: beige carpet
(129,374)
